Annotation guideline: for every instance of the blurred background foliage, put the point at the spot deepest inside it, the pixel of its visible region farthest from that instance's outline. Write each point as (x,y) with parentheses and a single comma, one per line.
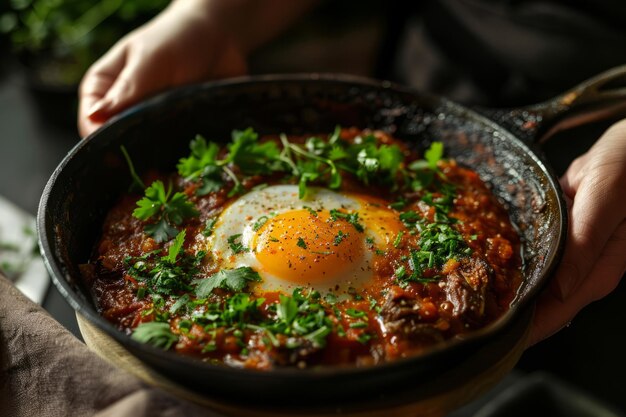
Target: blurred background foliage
(57,40)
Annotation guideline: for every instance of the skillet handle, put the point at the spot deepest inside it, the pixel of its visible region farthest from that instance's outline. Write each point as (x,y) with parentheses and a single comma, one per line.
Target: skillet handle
(599,98)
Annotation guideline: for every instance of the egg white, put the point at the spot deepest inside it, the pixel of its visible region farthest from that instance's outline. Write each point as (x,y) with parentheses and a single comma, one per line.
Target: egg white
(241,216)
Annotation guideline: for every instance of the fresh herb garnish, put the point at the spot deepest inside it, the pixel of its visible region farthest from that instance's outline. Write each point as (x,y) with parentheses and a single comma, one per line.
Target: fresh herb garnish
(352,218)
(180,303)
(398,239)
(409,218)
(168,210)
(339,238)
(316,161)
(208,226)
(301,243)
(169,274)
(245,152)
(364,338)
(310,210)
(137,181)
(230,279)
(259,223)
(352,312)
(156,334)
(433,154)
(235,244)
(303,318)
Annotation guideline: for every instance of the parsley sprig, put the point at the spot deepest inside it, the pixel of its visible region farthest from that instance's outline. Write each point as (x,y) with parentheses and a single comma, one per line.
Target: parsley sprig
(230,279)
(168,210)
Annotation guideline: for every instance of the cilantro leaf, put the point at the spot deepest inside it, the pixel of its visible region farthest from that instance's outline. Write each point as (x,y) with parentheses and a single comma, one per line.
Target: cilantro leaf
(287,309)
(301,243)
(433,154)
(156,334)
(161,231)
(181,302)
(235,246)
(229,279)
(203,155)
(175,248)
(253,157)
(169,212)
(151,204)
(203,164)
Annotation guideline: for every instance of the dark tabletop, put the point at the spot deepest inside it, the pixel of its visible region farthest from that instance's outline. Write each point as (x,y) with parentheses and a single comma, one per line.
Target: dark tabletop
(36,132)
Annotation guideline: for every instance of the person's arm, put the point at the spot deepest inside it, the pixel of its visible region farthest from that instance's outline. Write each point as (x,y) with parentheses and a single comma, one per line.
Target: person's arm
(190,41)
(595,252)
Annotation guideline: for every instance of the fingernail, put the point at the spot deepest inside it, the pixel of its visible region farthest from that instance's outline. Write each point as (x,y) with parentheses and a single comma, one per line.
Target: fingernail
(98,108)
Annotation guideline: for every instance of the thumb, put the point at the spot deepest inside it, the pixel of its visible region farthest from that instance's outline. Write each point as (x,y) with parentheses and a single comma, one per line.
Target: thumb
(134,82)
(596,183)
(95,85)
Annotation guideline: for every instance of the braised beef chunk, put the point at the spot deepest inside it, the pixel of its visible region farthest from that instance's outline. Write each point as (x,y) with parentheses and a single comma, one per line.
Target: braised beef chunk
(401,315)
(306,353)
(466,288)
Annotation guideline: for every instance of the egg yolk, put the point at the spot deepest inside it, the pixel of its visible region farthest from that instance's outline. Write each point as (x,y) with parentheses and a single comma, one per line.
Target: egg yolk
(380,221)
(307,247)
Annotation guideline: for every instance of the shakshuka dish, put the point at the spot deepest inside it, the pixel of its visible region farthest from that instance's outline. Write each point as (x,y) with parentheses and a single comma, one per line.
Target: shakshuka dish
(347,248)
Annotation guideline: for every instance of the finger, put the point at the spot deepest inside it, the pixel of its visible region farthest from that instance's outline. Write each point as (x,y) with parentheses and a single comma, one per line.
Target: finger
(570,181)
(137,80)
(95,85)
(595,214)
(552,313)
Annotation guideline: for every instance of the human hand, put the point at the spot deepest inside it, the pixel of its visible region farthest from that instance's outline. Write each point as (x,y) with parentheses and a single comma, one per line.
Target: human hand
(595,251)
(180,46)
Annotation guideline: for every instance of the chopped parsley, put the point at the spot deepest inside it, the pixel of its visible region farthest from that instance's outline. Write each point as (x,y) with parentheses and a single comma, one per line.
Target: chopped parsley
(340,238)
(310,210)
(259,223)
(208,226)
(302,317)
(398,239)
(235,245)
(352,218)
(355,313)
(301,243)
(169,274)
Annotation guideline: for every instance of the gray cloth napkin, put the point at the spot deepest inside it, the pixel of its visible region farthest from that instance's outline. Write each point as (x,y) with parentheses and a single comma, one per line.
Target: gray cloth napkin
(46,372)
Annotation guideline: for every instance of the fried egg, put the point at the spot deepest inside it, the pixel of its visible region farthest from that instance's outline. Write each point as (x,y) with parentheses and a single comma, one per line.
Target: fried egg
(295,243)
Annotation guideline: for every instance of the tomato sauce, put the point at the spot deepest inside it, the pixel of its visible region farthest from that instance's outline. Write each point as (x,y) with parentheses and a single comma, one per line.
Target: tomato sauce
(390,318)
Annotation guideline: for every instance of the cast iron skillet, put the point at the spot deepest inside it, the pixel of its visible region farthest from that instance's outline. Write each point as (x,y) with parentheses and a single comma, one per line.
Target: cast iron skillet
(157,132)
